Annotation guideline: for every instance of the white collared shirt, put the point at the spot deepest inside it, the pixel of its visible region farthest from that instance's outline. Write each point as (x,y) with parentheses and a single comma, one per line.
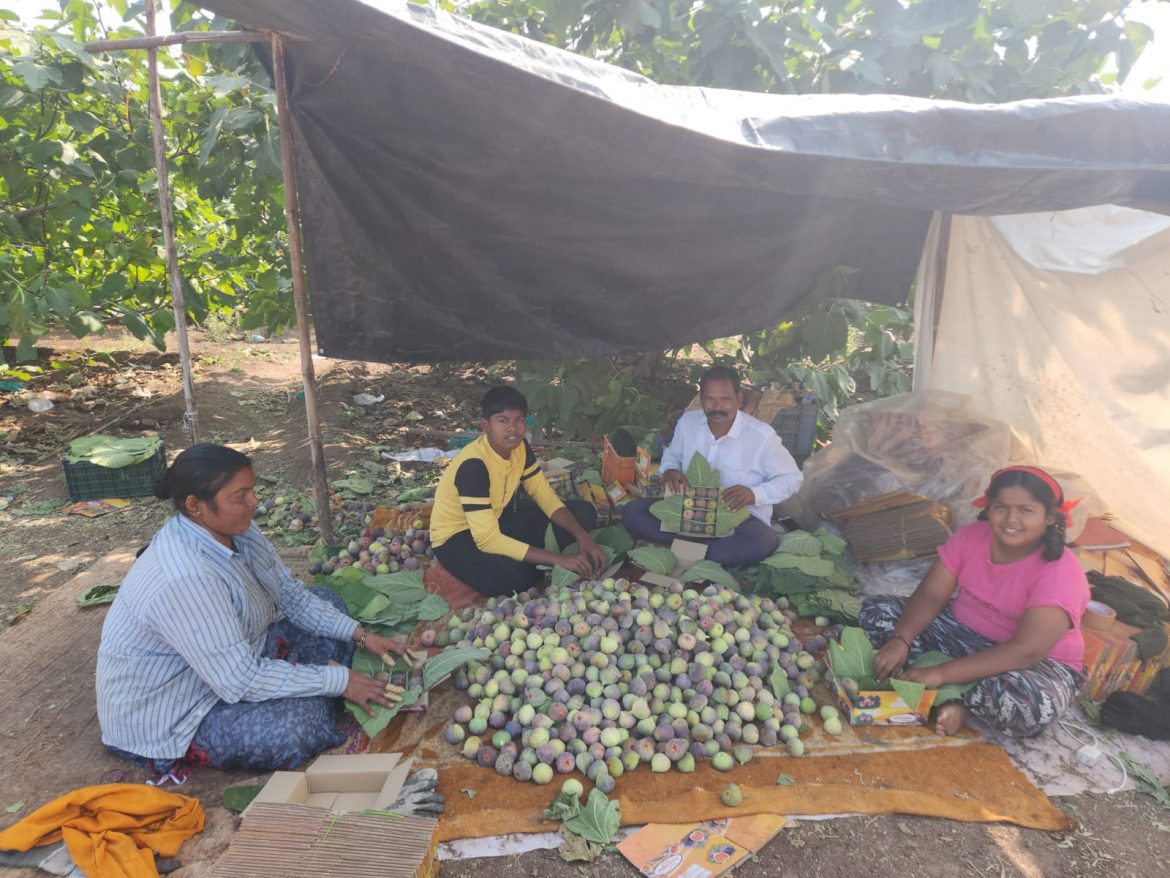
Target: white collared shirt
(750,454)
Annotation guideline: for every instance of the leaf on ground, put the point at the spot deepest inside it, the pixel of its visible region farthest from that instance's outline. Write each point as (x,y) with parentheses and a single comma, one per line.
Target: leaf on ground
(1147,782)
(709,571)
(575,849)
(785,780)
(469,792)
(238,798)
(598,821)
(12,809)
(353,485)
(98,595)
(654,559)
(564,807)
(432,608)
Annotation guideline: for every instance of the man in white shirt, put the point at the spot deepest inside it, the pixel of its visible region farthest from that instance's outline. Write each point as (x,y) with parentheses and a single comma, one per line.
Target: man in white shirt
(755,471)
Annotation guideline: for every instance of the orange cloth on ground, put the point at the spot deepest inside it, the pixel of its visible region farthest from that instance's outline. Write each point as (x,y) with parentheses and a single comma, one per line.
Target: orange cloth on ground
(111,830)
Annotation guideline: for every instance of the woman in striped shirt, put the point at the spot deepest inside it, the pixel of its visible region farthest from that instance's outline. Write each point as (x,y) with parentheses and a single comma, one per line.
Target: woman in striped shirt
(213,653)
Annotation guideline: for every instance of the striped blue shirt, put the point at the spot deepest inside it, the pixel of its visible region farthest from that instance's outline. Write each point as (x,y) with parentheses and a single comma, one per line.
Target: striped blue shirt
(187,630)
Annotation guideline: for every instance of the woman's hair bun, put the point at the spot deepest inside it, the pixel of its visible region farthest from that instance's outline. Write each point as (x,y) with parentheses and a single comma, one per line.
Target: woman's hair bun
(162,485)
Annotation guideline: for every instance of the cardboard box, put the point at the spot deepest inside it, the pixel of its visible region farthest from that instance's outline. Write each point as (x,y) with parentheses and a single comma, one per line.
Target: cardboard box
(357,782)
(698,850)
(559,474)
(647,479)
(688,554)
(595,494)
(879,707)
(615,469)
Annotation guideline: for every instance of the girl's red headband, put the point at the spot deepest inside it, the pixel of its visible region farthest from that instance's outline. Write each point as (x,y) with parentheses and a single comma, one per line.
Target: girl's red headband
(1063,506)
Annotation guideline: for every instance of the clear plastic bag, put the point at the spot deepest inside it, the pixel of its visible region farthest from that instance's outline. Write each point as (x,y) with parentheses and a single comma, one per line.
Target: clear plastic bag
(934,443)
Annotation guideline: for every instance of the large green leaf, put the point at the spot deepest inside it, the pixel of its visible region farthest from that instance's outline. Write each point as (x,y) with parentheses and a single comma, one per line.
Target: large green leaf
(654,559)
(563,577)
(819,567)
(616,538)
(669,510)
(709,571)
(800,542)
(372,725)
(598,821)
(909,692)
(700,474)
(727,520)
(432,608)
(779,682)
(831,544)
(438,667)
(852,654)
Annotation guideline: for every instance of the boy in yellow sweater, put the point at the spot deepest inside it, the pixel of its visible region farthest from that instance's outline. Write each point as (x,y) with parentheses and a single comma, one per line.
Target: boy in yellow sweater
(483,532)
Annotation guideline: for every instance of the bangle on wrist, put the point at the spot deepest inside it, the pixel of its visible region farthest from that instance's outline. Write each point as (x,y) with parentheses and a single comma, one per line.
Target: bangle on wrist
(894,635)
(361,642)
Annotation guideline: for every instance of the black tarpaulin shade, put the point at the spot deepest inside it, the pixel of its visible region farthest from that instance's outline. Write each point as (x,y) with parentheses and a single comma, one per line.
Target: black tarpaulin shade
(468,194)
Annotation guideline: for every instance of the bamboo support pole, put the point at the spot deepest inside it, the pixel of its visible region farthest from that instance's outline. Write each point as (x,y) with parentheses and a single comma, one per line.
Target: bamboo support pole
(293,219)
(153,41)
(168,229)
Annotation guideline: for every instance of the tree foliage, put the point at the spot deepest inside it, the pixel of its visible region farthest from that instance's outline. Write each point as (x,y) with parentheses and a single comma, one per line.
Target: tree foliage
(78,189)
(78,194)
(983,51)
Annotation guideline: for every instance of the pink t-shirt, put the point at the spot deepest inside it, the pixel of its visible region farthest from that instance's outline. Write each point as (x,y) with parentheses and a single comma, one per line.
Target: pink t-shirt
(992,598)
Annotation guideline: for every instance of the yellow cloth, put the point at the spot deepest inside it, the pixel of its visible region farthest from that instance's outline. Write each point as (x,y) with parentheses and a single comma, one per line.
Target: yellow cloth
(111,830)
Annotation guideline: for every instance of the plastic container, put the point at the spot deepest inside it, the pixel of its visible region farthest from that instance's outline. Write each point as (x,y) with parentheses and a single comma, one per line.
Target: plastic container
(797,427)
(85,481)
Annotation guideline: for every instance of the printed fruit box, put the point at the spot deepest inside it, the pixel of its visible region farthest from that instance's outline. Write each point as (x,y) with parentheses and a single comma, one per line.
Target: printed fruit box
(879,707)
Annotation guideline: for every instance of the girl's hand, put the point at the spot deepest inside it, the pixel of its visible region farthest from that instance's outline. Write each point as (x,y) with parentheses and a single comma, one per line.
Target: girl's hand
(890,658)
(364,691)
(931,678)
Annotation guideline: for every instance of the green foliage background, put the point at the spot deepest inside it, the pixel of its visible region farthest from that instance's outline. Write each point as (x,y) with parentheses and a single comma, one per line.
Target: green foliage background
(78,194)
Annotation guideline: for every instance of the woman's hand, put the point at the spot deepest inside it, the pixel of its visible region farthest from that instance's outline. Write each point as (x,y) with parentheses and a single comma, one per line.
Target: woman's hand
(364,691)
(890,658)
(379,646)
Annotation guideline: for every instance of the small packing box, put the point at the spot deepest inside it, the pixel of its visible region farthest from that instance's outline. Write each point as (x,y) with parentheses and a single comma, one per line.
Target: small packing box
(647,480)
(357,782)
(688,554)
(616,469)
(880,707)
(596,494)
(559,473)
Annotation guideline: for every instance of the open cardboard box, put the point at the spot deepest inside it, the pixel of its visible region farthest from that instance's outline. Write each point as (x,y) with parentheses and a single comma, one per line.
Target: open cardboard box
(687,553)
(880,707)
(357,782)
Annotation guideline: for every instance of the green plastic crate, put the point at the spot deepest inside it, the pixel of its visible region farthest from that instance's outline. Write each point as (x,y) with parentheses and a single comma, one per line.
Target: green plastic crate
(85,481)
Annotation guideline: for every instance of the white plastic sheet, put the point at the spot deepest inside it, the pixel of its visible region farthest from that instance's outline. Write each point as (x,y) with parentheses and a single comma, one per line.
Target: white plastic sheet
(1059,325)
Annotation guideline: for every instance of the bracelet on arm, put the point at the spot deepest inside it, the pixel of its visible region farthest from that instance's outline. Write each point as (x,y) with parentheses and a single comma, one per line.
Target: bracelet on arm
(361,643)
(894,635)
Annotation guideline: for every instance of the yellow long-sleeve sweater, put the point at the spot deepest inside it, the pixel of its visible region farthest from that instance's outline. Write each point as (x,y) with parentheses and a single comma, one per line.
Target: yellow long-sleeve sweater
(478,486)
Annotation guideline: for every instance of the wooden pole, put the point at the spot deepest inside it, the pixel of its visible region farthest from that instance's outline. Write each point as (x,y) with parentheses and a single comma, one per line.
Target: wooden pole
(152,41)
(292,217)
(168,228)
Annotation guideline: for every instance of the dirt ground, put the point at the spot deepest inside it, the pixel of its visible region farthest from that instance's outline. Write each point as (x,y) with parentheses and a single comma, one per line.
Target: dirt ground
(248,393)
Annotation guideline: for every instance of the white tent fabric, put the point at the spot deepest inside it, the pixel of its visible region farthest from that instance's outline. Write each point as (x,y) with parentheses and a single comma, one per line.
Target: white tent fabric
(1059,325)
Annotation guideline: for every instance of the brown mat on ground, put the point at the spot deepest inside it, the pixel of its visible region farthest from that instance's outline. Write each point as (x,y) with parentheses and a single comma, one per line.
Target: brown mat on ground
(974,783)
(438,580)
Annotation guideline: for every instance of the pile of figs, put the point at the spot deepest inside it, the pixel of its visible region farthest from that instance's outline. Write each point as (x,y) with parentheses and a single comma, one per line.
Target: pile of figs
(605,676)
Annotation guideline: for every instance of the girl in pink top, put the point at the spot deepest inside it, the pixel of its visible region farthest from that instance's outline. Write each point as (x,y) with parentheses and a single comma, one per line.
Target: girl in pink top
(1005,600)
